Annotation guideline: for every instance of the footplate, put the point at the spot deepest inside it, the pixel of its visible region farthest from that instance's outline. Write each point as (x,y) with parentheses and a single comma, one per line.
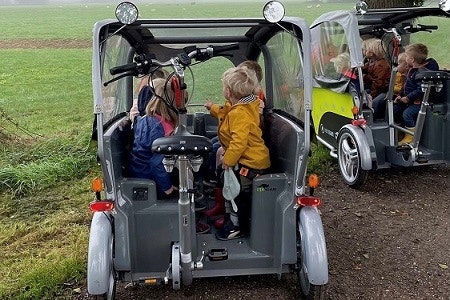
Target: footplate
(218,254)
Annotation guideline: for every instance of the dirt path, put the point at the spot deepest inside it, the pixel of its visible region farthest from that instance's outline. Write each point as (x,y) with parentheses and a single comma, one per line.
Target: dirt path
(389,240)
(42,44)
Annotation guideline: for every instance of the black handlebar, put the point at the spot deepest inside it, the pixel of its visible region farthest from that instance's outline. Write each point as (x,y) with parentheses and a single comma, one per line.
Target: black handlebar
(143,63)
(400,29)
(123,69)
(220,49)
(409,28)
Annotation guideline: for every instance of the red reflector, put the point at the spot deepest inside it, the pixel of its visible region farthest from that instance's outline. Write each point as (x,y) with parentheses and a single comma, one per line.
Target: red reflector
(359,122)
(101,205)
(308,201)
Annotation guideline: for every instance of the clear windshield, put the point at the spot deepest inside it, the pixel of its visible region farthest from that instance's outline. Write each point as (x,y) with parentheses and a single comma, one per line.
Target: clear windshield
(287,74)
(114,94)
(330,56)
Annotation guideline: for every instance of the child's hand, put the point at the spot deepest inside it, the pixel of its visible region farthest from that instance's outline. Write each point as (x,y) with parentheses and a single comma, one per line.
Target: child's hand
(261,106)
(208,104)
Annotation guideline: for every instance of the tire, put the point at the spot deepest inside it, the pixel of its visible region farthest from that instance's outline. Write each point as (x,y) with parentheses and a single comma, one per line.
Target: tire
(308,291)
(111,293)
(349,159)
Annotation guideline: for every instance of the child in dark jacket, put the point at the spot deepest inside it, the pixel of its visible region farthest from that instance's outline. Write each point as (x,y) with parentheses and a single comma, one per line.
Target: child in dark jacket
(407,104)
(159,121)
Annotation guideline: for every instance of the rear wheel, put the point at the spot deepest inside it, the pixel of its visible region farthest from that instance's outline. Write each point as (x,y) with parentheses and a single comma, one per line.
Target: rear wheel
(349,159)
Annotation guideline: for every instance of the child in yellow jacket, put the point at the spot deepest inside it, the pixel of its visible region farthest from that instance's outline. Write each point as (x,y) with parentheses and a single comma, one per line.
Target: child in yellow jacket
(241,137)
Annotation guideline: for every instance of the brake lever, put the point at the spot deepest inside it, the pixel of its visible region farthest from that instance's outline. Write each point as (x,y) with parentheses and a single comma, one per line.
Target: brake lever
(129,73)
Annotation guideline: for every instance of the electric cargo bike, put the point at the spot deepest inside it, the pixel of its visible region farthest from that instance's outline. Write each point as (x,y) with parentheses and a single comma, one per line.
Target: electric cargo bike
(138,238)
(343,117)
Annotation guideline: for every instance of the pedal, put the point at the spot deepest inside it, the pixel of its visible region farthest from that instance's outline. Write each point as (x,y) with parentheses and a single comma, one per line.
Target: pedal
(218,254)
(403,148)
(405,151)
(421,160)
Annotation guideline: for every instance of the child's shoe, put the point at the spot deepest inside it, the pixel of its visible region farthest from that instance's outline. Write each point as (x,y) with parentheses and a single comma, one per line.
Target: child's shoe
(201,228)
(228,232)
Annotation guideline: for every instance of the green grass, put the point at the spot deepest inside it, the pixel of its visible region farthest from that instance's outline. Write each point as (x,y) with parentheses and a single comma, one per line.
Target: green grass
(45,125)
(35,21)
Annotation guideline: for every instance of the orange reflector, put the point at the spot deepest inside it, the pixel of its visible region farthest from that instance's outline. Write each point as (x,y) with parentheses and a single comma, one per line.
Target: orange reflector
(313,181)
(150,281)
(97,185)
(359,122)
(105,205)
(355,110)
(308,201)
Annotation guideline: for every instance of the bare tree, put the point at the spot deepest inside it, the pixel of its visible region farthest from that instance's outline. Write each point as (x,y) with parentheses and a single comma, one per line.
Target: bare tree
(393,3)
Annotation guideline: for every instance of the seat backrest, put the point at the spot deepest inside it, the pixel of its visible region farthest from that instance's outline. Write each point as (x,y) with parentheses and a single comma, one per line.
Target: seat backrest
(282,136)
(117,142)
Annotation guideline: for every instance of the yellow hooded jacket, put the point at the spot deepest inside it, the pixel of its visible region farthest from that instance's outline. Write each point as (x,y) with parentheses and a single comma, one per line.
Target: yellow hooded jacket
(240,134)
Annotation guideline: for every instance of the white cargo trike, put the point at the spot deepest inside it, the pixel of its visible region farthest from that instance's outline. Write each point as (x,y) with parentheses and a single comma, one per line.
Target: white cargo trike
(140,239)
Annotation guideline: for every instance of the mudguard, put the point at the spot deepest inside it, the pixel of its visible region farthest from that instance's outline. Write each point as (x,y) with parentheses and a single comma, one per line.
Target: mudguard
(99,254)
(363,145)
(314,251)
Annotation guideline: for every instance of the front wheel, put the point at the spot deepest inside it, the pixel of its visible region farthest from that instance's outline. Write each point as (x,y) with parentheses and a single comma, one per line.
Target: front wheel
(308,291)
(111,293)
(349,159)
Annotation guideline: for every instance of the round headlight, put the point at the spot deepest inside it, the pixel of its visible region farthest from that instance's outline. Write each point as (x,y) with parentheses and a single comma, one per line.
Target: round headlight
(126,13)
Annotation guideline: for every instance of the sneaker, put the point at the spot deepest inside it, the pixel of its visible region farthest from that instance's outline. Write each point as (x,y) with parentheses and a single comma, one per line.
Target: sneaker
(228,233)
(198,196)
(210,183)
(209,191)
(201,228)
(199,206)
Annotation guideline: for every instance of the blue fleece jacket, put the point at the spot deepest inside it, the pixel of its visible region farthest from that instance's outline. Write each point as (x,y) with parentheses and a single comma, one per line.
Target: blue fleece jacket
(412,88)
(143,162)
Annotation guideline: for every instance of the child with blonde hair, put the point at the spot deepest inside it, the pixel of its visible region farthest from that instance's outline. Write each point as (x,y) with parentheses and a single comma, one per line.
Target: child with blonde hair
(241,137)
(159,121)
(379,103)
(377,71)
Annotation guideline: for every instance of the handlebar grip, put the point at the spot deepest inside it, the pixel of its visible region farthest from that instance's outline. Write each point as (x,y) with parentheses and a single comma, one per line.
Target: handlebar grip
(427,27)
(220,49)
(123,68)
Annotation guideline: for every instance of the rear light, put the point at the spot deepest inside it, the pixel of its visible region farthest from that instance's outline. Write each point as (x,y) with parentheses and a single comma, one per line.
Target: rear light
(359,122)
(105,205)
(308,201)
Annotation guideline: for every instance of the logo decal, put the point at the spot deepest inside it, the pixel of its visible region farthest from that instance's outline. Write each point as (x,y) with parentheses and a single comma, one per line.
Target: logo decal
(265,188)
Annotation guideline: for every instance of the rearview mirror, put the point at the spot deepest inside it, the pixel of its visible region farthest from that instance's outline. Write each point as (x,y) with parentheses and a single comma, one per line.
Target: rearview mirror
(126,13)
(273,11)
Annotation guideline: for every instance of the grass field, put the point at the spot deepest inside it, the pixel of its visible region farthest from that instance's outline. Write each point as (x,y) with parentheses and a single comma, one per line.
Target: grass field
(45,126)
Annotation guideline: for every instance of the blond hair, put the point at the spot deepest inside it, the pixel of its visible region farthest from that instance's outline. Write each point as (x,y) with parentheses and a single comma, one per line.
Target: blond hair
(365,44)
(148,79)
(253,65)
(341,62)
(376,46)
(159,103)
(401,58)
(241,81)
(417,51)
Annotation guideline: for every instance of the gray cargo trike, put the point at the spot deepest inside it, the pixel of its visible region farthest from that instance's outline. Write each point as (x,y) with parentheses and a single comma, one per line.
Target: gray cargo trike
(343,119)
(140,239)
